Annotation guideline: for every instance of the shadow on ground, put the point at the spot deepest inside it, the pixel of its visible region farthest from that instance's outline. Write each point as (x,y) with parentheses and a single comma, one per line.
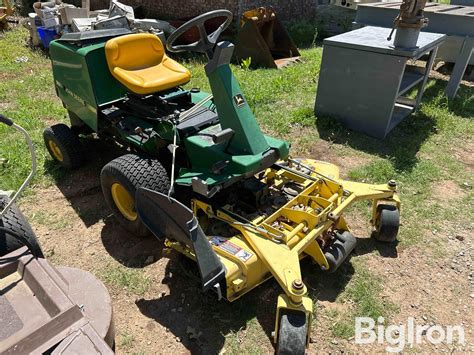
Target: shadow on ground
(400,146)
(368,245)
(462,105)
(199,319)
(81,187)
(404,141)
(127,249)
(202,322)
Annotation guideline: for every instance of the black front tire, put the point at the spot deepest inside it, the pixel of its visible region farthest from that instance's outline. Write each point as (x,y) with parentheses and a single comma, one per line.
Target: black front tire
(292,334)
(387,223)
(64,146)
(131,172)
(15,221)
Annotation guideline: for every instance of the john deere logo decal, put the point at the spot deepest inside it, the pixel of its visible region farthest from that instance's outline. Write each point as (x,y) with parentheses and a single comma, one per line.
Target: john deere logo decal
(239,100)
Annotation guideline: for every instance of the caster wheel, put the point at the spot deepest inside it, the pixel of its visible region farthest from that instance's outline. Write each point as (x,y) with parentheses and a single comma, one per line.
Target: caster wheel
(292,334)
(387,223)
(64,146)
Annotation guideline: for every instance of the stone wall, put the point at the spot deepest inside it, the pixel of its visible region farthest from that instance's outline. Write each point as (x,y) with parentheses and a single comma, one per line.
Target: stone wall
(178,9)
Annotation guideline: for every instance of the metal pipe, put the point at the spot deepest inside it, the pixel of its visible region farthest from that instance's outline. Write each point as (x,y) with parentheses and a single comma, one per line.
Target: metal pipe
(33,168)
(294,232)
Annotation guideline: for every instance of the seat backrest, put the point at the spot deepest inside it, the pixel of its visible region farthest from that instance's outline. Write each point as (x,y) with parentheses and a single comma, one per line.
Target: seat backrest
(134,51)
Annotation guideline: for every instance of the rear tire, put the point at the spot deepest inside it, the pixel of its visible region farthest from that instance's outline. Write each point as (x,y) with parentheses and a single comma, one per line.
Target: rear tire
(292,334)
(64,146)
(16,222)
(387,223)
(121,178)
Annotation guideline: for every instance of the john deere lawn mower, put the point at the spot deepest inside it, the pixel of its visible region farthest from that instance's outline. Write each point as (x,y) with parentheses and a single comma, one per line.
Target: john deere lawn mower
(200,173)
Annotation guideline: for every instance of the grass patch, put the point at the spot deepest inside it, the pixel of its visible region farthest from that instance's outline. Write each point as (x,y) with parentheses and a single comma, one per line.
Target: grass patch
(363,293)
(51,219)
(27,96)
(126,339)
(245,341)
(419,153)
(131,280)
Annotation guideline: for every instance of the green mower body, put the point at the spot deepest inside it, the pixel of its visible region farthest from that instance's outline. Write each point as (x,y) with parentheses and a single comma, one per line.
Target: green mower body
(97,102)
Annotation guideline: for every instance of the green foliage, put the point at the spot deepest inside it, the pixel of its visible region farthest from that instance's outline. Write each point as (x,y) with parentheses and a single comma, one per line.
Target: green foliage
(131,280)
(304,33)
(27,96)
(246,63)
(364,292)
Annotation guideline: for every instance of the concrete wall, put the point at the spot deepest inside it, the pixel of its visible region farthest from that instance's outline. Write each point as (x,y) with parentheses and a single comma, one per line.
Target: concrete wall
(176,9)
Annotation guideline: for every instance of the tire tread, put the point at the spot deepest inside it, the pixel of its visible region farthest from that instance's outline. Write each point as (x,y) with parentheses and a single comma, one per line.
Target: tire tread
(139,172)
(15,221)
(69,142)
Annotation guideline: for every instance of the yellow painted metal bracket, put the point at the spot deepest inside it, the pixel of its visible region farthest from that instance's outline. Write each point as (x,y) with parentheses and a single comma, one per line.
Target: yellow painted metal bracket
(284,303)
(283,263)
(314,250)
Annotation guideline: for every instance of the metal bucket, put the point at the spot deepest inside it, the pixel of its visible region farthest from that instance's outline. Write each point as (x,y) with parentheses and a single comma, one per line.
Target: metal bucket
(406,37)
(264,39)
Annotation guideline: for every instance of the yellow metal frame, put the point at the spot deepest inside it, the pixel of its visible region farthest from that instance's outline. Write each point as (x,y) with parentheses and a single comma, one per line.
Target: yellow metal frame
(275,243)
(305,307)
(5,10)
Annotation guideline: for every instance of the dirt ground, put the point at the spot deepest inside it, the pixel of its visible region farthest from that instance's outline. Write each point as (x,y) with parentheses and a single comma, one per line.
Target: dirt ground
(76,229)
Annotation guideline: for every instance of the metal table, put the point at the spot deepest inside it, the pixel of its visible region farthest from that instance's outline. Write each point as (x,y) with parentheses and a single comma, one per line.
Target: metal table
(457,21)
(363,79)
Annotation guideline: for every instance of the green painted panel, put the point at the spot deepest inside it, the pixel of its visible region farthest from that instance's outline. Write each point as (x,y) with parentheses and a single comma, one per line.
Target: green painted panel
(234,112)
(282,147)
(106,87)
(83,80)
(72,81)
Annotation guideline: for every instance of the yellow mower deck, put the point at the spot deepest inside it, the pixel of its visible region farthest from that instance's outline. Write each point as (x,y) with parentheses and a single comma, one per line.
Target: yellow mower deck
(277,241)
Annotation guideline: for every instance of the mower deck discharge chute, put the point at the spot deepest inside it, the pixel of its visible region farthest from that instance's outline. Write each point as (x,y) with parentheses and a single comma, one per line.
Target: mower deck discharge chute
(230,197)
(167,218)
(264,39)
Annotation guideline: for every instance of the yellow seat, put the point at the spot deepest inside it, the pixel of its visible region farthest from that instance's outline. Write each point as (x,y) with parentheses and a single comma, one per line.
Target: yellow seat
(139,62)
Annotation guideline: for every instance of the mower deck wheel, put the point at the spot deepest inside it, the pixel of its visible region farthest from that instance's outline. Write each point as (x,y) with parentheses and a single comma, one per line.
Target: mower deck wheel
(387,223)
(121,178)
(292,334)
(14,221)
(64,146)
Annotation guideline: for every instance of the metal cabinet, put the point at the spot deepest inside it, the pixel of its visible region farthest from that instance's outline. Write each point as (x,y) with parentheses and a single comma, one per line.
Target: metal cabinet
(363,79)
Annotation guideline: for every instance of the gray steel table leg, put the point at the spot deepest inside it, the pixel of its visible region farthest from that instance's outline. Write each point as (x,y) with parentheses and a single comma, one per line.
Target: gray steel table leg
(460,67)
(429,66)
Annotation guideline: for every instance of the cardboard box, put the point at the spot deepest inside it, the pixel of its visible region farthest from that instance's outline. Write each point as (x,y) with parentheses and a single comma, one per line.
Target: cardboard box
(81,24)
(51,22)
(69,13)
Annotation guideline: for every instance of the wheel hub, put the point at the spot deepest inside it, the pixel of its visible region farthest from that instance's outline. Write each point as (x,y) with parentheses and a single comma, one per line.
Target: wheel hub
(124,201)
(57,154)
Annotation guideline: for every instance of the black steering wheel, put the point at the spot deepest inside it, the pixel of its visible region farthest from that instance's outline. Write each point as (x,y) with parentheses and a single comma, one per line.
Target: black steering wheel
(206,42)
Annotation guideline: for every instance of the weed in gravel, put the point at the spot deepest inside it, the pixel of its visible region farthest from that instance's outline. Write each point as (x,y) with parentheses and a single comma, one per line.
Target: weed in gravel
(122,277)
(363,293)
